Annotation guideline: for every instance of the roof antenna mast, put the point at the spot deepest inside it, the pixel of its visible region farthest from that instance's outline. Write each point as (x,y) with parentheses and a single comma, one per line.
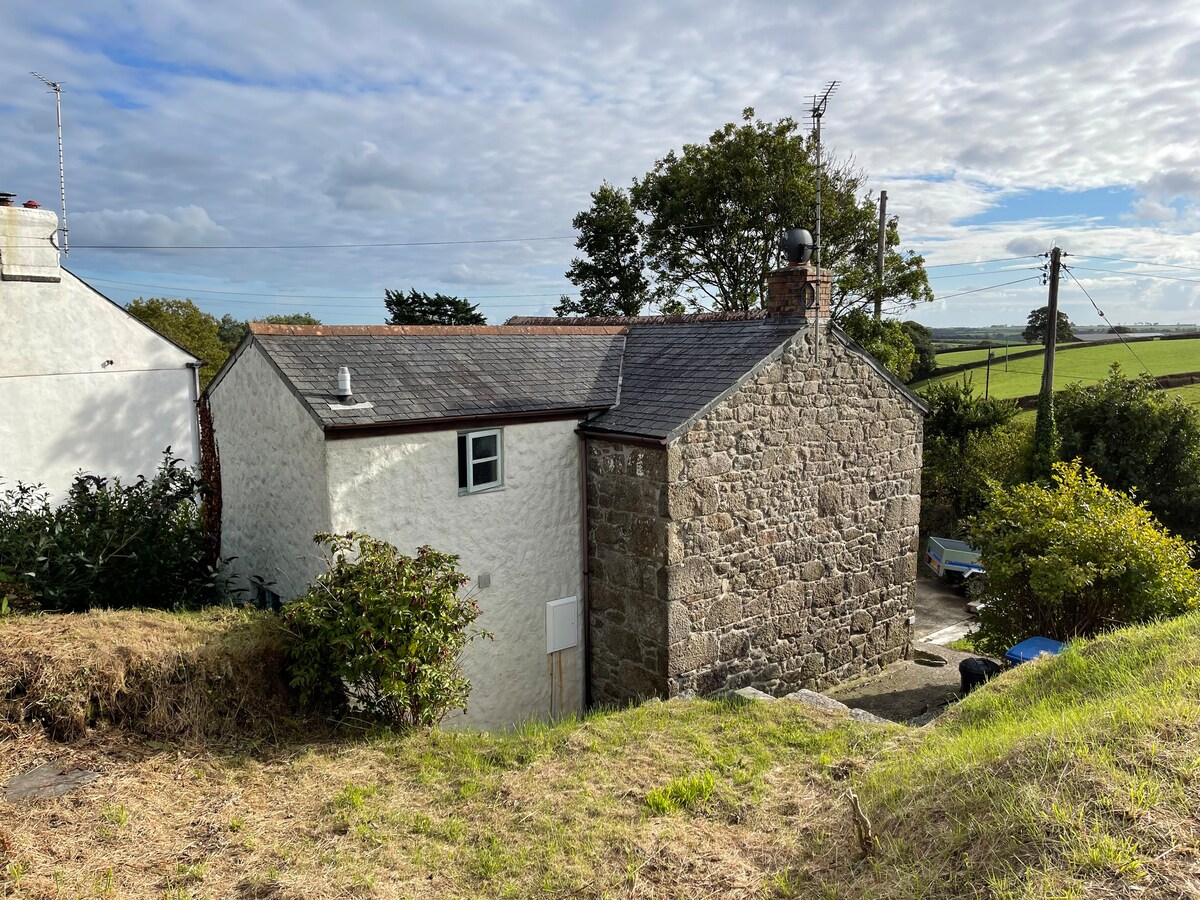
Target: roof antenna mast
(818,112)
(56,87)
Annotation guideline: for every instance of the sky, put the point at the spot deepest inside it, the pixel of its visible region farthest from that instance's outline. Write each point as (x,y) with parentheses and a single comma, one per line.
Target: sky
(468,134)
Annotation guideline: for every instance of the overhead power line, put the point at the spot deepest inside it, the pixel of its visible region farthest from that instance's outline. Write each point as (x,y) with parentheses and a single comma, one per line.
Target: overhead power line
(379,298)
(1140,262)
(980,262)
(1127,274)
(990,287)
(1104,318)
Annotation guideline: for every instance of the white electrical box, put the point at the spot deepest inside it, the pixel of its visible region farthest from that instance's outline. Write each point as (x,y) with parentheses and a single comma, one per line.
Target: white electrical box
(562,624)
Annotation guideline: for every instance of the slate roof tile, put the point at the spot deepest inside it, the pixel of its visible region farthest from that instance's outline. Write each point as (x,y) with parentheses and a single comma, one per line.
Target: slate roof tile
(668,370)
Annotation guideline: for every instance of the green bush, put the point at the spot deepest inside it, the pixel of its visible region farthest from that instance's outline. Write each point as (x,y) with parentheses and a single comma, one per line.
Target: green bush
(1074,559)
(109,544)
(884,339)
(969,442)
(1136,438)
(381,632)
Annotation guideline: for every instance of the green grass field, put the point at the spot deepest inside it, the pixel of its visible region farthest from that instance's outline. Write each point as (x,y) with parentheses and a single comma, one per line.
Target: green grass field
(962,357)
(1087,365)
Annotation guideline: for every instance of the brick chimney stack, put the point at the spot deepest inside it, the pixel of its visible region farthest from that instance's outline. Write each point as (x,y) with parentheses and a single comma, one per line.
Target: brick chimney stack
(793,291)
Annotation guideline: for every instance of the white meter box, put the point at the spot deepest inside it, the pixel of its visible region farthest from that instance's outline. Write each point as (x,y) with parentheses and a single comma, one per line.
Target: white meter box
(562,624)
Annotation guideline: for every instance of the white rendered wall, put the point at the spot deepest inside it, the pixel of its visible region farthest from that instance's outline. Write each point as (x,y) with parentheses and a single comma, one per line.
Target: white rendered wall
(272,476)
(526,536)
(64,407)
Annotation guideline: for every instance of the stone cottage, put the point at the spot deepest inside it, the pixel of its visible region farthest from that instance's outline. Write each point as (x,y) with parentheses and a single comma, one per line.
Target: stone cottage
(83,383)
(651,506)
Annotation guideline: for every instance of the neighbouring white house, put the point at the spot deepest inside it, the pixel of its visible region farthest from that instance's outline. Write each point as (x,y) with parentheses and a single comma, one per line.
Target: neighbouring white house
(84,385)
(652,506)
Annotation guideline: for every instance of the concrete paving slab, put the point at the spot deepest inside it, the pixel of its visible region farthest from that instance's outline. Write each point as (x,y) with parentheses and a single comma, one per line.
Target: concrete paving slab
(941,610)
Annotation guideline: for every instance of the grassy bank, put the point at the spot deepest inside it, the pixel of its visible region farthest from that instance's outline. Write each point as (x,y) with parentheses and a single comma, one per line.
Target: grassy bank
(1071,777)
(180,676)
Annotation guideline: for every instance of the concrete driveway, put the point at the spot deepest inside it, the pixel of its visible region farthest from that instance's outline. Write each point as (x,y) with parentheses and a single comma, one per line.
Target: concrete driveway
(942,614)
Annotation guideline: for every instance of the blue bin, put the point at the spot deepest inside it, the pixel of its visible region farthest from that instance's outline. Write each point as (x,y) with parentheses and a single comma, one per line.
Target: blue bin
(1032,648)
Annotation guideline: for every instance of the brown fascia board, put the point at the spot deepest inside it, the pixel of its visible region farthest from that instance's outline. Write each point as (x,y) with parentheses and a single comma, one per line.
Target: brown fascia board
(429,330)
(451,423)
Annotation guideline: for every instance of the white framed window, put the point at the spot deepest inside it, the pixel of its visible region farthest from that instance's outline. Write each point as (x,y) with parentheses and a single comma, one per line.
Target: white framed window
(480,460)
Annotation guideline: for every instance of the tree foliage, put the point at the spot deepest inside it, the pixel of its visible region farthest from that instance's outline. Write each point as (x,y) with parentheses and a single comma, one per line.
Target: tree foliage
(969,442)
(418,308)
(1036,332)
(713,214)
(183,322)
(110,545)
(382,631)
(922,341)
(884,339)
(232,331)
(1138,439)
(1073,559)
(611,276)
(957,413)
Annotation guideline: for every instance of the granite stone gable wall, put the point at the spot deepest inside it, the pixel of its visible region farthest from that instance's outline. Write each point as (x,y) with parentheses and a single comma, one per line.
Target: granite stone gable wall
(794,512)
(773,544)
(627,584)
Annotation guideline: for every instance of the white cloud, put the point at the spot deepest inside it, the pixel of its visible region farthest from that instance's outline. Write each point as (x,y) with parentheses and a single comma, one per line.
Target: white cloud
(186,225)
(328,122)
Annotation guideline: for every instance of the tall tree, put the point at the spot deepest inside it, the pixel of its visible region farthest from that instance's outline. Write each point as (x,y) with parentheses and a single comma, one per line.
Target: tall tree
(1036,331)
(188,326)
(233,330)
(714,212)
(884,339)
(612,276)
(417,308)
(922,341)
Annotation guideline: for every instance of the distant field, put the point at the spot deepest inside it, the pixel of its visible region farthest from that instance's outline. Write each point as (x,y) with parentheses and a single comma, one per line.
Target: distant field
(1189,394)
(962,357)
(1086,364)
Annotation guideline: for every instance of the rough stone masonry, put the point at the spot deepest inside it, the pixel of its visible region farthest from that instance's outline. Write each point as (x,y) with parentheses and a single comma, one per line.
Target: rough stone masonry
(773,545)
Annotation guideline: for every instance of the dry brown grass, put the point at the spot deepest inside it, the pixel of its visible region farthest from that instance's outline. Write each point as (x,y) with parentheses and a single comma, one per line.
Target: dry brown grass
(1077,777)
(551,811)
(166,675)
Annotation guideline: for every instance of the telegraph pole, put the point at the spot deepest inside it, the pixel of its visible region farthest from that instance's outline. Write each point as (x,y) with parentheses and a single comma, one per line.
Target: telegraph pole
(879,257)
(1051,323)
(1045,433)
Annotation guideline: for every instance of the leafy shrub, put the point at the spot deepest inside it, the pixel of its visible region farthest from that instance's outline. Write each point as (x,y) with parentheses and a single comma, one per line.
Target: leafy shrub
(969,442)
(1073,559)
(110,544)
(884,339)
(382,632)
(1136,438)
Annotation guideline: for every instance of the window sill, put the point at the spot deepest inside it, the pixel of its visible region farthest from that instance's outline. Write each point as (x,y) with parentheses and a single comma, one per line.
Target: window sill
(465,492)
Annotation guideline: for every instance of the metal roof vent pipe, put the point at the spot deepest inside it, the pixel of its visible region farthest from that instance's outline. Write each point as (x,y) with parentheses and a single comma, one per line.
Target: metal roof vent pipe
(345,394)
(6,199)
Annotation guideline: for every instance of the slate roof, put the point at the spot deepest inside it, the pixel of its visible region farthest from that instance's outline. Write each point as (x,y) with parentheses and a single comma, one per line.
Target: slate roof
(646,376)
(674,370)
(413,374)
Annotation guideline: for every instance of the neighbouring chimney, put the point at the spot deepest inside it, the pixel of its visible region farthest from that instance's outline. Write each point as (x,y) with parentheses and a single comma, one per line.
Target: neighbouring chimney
(27,248)
(794,291)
